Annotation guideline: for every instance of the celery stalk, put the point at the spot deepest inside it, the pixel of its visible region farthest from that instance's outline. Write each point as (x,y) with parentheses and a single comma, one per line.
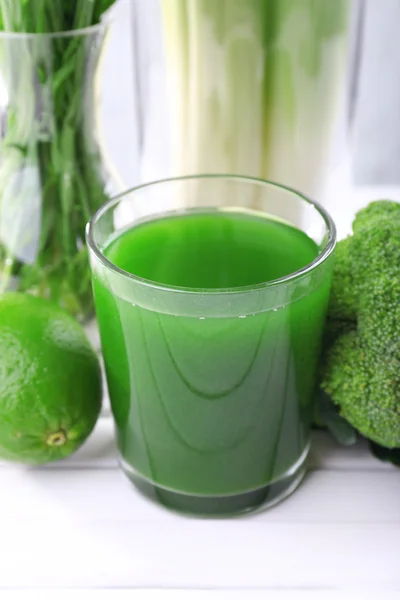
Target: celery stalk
(254,85)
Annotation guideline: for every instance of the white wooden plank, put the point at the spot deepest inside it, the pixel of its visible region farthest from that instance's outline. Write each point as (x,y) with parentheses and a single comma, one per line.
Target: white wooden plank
(227,555)
(185,594)
(117,123)
(376,114)
(106,495)
(326,453)
(100,452)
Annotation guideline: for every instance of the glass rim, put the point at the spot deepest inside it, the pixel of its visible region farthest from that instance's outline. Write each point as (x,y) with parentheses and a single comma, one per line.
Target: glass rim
(80,32)
(112,202)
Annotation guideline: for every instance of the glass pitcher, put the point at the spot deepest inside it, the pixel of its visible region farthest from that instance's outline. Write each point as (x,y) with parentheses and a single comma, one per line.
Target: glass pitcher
(251,87)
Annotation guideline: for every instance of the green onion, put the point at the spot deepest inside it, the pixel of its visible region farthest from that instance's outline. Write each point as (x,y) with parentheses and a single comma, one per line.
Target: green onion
(51,180)
(254,85)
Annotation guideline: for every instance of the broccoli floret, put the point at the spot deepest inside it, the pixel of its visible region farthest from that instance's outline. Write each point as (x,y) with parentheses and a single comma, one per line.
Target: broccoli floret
(379,317)
(361,362)
(380,209)
(364,391)
(375,250)
(343,302)
(345,377)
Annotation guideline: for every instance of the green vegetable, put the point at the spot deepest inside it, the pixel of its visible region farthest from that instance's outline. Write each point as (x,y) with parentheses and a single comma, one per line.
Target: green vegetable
(361,365)
(254,85)
(51,179)
(327,416)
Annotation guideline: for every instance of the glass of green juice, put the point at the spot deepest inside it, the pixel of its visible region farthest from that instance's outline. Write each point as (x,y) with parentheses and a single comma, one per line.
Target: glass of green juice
(211,294)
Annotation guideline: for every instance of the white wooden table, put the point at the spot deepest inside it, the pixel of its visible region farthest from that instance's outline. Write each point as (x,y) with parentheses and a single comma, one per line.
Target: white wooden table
(80,524)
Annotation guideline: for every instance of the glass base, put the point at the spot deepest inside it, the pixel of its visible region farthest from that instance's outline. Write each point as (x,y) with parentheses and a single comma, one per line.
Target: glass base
(254,500)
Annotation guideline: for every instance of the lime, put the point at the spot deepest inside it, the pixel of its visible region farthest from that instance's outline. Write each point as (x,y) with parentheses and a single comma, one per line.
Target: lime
(50,381)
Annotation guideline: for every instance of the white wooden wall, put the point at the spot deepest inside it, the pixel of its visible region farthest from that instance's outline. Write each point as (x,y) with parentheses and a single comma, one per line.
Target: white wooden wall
(375,132)
(376,135)
(118,107)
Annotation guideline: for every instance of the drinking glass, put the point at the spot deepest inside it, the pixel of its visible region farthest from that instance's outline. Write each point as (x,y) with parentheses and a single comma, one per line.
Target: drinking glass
(212,389)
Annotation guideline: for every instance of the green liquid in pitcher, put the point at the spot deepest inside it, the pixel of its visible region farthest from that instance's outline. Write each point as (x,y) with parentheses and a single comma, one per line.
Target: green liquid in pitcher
(211,405)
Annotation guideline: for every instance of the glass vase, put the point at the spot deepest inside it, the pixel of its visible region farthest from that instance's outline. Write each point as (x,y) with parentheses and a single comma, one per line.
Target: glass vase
(52,177)
(251,87)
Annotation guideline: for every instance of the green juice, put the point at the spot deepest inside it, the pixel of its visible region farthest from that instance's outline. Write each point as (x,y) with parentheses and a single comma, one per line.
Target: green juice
(218,405)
